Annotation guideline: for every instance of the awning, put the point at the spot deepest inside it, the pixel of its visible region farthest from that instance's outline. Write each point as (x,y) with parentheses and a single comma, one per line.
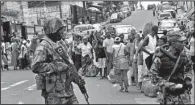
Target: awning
(93,9)
(9,12)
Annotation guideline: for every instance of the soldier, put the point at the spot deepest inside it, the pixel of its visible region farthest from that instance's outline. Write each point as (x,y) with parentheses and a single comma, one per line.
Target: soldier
(52,72)
(174,88)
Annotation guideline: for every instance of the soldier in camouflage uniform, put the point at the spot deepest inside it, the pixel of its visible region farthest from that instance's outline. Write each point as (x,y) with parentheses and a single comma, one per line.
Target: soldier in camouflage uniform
(179,85)
(52,72)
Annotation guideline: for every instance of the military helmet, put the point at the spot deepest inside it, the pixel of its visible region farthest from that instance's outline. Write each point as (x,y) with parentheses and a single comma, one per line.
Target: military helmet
(175,36)
(52,25)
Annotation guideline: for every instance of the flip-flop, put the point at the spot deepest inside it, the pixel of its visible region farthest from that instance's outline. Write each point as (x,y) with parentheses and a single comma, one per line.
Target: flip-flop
(126,90)
(121,90)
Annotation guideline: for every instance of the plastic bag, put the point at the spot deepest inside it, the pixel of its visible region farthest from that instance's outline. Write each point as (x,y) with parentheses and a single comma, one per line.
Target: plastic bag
(112,76)
(91,71)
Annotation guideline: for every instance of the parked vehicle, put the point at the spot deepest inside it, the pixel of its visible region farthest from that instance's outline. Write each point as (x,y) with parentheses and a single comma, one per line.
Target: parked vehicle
(168,25)
(164,15)
(150,7)
(97,26)
(83,27)
(172,11)
(122,29)
(115,18)
(126,11)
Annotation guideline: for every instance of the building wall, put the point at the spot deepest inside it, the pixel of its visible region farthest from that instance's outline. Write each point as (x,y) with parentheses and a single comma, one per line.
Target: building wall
(13,5)
(31,17)
(10,6)
(186,4)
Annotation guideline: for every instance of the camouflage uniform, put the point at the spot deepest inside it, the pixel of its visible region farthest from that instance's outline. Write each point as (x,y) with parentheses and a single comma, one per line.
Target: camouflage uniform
(51,70)
(162,67)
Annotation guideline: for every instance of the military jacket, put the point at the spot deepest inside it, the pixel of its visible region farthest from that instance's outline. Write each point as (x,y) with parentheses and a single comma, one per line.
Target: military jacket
(49,64)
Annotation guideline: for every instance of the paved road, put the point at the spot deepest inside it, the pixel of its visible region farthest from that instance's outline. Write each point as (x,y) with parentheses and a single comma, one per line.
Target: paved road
(138,19)
(19,86)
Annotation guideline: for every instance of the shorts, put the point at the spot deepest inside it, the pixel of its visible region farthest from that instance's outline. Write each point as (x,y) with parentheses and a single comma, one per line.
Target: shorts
(101,63)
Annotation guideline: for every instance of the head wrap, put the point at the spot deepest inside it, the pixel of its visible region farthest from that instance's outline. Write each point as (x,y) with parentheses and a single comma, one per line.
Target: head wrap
(117,39)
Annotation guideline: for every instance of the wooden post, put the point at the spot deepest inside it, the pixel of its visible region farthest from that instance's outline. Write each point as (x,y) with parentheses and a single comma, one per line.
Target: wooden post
(1,23)
(21,8)
(60,8)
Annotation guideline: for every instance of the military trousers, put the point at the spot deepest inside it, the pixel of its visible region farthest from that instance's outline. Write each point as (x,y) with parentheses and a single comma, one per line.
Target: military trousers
(61,100)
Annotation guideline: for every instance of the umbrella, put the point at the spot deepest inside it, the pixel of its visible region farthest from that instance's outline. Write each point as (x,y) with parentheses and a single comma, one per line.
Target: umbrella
(93,9)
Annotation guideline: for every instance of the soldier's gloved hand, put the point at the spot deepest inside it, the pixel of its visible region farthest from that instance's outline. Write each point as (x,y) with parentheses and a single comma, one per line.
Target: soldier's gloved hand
(188,82)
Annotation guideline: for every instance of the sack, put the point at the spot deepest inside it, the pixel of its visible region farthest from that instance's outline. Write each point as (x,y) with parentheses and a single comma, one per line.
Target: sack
(148,88)
(112,77)
(92,71)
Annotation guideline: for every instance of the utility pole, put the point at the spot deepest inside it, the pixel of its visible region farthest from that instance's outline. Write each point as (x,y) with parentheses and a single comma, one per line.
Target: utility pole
(1,23)
(21,8)
(60,8)
(84,6)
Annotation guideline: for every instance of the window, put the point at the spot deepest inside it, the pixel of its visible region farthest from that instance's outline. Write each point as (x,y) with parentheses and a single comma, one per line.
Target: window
(165,15)
(33,4)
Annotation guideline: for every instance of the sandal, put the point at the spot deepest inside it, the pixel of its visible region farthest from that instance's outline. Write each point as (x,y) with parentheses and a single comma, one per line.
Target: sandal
(126,90)
(122,88)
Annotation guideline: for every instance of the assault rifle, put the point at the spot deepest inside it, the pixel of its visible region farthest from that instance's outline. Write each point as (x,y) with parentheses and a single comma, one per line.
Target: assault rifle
(74,73)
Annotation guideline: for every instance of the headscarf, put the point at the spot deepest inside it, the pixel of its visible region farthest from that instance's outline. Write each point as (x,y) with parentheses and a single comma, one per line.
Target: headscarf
(117,39)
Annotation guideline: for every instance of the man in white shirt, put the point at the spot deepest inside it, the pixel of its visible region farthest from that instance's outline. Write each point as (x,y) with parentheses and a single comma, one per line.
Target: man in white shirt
(107,44)
(87,54)
(85,48)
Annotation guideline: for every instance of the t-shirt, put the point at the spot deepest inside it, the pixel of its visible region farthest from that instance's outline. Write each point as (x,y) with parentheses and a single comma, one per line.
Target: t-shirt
(85,49)
(108,43)
(119,49)
(28,45)
(3,47)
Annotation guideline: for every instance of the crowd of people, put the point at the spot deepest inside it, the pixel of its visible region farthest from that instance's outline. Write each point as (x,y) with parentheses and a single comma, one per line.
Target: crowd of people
(131,62)
(18,53)
(144,55)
